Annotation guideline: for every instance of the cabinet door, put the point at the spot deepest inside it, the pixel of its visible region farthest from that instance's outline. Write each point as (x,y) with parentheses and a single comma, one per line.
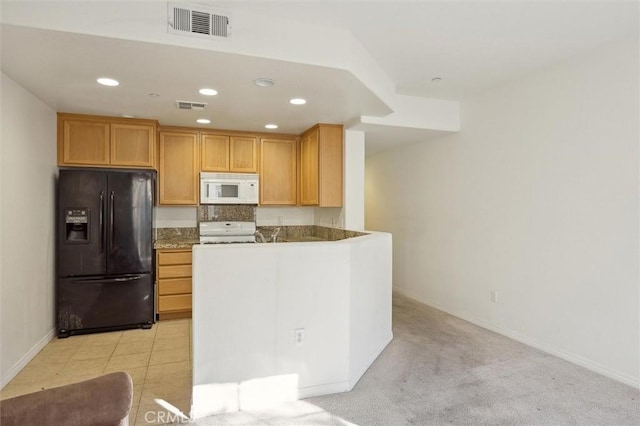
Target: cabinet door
(132,145)
(174,257)
(330,165)
(244,154)
(174,303)
(174,286)
(278,172)
(173,273)
(214,153)
(178,168)
(83,142)
(309,169)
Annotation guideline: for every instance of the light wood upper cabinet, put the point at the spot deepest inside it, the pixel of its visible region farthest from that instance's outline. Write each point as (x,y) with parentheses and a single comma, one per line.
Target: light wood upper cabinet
(309,169)
(214,153)
(278,171)
(321,166)
(132,145)
(244,154)
(222,153)
(178,168)
(85,140)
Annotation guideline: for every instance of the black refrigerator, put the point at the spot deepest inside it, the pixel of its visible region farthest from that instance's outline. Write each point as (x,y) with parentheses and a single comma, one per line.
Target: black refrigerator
(104,250)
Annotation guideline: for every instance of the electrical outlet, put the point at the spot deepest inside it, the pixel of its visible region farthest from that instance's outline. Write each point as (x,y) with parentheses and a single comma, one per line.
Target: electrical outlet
(298,336)
(494,295)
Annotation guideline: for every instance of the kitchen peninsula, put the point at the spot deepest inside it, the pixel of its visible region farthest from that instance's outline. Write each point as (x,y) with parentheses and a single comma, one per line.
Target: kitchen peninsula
(277,322)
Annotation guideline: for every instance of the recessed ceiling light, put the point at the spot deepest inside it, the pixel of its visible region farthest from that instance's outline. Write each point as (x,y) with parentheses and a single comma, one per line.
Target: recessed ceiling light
(297,101)
(271,126)
(436,79)
(203,120)
(208,92)
(127,116)
(264,82)
(107,81)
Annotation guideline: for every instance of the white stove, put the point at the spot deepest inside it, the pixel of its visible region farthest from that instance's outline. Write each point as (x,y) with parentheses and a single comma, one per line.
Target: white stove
(227,232)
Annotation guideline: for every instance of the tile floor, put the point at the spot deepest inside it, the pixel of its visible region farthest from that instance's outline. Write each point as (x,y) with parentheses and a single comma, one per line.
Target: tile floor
(158,360)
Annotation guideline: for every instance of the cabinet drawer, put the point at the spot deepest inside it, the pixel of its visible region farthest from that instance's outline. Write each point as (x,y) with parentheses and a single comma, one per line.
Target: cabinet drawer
(174,286)
(174,257)
(180,302)
(174,271)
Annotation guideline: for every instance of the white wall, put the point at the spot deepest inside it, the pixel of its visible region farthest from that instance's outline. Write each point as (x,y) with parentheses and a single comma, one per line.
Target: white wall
(175,217)
(354,180)
(276,216)
(536,198)
(27,268)
(370,295)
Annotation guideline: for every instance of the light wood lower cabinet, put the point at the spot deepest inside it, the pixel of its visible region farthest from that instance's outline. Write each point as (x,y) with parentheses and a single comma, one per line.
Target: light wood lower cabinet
(173,276)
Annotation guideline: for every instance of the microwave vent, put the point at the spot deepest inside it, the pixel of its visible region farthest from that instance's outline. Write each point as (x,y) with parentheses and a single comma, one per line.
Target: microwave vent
(188,105)
(198,21)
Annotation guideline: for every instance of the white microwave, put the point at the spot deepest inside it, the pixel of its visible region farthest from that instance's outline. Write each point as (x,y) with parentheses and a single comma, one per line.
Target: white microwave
(228,188)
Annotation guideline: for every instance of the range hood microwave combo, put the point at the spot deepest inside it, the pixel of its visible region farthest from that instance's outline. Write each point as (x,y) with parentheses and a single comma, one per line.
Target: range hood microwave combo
(228,188)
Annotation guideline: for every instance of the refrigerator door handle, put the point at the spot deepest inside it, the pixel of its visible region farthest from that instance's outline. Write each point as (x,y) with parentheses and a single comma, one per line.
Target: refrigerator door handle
(109,280)
(111,219)
(102,222)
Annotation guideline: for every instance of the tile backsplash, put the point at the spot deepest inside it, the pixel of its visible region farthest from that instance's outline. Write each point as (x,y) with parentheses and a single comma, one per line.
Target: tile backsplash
(176,234)
(223,213)
(188,217)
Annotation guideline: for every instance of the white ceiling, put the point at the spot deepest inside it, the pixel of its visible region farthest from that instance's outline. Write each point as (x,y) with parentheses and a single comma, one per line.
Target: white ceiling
(472,46)
(61,69)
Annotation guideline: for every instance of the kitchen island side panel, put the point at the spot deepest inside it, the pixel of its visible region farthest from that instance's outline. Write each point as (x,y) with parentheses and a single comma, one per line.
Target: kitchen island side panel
(234,313)
(251,300)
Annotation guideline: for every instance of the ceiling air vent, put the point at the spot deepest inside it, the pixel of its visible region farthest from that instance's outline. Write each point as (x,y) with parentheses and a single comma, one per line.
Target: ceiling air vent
(196,21)
(196,106)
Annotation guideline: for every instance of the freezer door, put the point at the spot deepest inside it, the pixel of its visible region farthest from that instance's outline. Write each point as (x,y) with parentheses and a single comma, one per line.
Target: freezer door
(98,303)
(129,229)
(81,223)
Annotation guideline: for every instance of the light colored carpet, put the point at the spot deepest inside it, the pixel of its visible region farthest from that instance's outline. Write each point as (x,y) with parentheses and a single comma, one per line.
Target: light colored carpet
(441,370)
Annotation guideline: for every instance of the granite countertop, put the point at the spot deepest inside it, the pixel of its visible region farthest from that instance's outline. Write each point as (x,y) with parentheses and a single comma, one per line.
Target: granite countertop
(176,238)
(175,243)
(185,238)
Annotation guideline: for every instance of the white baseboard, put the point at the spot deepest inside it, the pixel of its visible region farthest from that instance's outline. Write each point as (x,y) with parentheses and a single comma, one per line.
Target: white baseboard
(567,356)
(22,362)
(320,390)
(355,378)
